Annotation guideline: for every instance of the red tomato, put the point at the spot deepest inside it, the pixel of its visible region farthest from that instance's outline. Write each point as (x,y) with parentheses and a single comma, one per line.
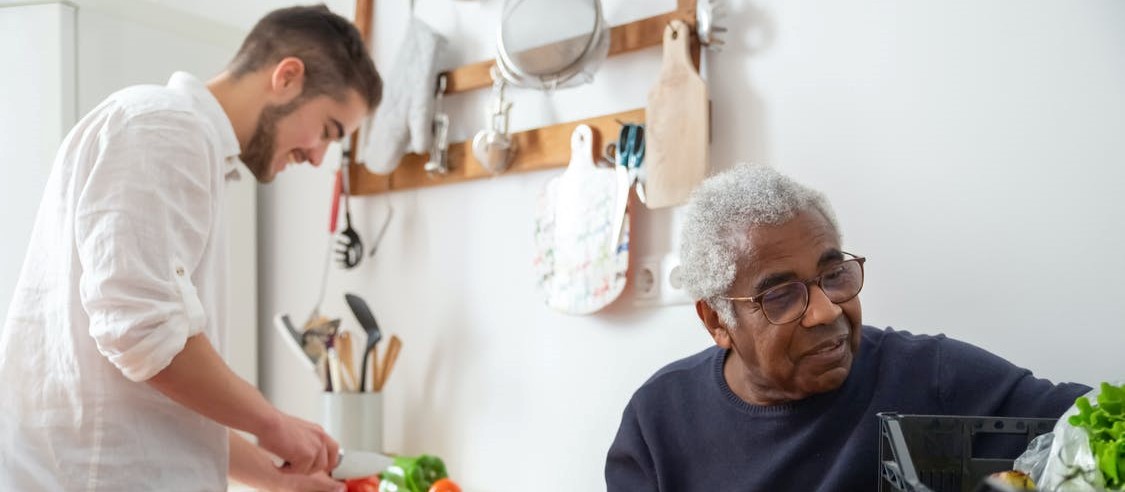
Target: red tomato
(445,485)
(367,484)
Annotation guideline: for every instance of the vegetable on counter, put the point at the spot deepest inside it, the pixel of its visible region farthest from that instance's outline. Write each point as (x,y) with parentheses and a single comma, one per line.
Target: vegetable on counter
(445,485)
(366,484)
(1105,423)
(1013,479)
(415,474)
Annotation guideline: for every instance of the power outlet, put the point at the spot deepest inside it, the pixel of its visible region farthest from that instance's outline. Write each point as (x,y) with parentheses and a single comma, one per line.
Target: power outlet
(656,282)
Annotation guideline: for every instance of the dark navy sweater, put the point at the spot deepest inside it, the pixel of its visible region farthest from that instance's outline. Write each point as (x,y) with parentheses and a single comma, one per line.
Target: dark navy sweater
(685,430)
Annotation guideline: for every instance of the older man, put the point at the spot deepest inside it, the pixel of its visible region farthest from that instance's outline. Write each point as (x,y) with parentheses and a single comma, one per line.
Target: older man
(787,397)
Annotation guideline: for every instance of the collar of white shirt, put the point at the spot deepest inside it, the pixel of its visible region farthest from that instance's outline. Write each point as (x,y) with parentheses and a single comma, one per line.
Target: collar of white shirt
(228,140)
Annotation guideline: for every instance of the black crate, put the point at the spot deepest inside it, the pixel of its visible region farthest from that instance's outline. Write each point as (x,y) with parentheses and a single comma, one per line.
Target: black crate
(935,453)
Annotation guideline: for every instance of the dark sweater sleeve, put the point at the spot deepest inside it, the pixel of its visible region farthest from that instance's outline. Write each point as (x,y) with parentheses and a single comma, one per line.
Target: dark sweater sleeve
(629,466)
(977,382)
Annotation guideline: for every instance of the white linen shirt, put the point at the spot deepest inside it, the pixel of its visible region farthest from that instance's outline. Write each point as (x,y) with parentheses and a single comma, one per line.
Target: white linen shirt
(127,260)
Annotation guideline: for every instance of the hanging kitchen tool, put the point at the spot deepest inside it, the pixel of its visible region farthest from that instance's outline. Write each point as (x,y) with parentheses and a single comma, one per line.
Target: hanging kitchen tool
(333,219)
(628,155)
(707,14)
(438,165)
(573,224)
(493,146)
(350,248)
(367,320)
(550,44)
(403,121)
(677,123)
(382,230)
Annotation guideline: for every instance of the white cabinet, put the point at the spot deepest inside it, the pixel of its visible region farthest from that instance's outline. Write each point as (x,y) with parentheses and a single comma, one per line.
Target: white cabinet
(59,61)
(37,108)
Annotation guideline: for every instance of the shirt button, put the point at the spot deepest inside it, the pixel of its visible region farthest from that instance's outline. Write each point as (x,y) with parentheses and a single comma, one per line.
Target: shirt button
(180,271)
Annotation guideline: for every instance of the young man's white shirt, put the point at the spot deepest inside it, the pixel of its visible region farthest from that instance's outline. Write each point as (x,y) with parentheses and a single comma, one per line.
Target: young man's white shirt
(126,261)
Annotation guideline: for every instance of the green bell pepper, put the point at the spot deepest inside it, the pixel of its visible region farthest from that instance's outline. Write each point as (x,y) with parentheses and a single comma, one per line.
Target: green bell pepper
(412,474)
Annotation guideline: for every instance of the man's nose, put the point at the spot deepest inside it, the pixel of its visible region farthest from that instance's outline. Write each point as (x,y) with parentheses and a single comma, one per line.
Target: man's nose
(316,154)
(821,311)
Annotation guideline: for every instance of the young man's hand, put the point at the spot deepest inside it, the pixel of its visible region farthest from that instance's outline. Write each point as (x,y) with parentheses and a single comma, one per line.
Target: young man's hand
(251,465)
(292,482)
(303,445)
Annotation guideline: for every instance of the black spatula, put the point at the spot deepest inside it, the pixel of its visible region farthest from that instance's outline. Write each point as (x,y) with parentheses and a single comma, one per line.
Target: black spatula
(367,321)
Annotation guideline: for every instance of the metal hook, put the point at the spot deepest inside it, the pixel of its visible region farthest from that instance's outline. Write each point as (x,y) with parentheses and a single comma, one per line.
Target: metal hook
(493,147)
(439,147)
(441,84)
(707,14)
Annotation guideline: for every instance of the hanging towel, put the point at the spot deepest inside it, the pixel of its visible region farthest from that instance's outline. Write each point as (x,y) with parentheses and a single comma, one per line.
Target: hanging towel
(403,121)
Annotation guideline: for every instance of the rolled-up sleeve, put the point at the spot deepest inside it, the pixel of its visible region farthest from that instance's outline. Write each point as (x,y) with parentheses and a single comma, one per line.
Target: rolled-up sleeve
(142,224)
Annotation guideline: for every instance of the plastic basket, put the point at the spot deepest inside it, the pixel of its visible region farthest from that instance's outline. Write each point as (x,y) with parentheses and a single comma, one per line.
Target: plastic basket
(935,453)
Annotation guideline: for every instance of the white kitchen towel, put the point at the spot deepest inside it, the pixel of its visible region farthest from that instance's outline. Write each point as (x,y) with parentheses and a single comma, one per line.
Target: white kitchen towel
(403,121)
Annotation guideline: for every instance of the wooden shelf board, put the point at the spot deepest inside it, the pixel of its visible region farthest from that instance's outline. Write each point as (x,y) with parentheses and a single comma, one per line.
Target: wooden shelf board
(636,35)
(538,149)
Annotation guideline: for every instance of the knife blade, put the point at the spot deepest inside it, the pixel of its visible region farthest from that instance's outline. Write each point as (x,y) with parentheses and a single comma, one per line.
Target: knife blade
(359,464)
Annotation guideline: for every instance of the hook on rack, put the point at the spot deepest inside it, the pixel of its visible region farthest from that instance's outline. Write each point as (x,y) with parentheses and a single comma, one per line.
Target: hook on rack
(493,147)
(438,165)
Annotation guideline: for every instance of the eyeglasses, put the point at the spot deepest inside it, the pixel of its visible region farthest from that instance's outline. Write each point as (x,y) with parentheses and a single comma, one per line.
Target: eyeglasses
(788,302)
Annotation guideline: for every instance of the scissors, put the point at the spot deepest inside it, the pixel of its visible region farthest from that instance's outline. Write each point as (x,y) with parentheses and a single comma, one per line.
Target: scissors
(628,153)
(632,154)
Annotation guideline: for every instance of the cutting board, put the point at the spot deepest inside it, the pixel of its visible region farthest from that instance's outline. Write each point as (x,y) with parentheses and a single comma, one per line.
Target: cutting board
(577,270)
(677,125)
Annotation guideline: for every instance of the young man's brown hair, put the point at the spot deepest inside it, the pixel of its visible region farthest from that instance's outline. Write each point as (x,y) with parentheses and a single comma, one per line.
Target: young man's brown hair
(334,53)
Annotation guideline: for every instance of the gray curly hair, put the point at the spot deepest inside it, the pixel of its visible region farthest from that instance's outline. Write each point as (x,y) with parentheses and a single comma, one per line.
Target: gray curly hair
(720,213)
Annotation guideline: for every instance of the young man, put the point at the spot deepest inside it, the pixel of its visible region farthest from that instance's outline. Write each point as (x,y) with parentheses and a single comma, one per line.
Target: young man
(110,353)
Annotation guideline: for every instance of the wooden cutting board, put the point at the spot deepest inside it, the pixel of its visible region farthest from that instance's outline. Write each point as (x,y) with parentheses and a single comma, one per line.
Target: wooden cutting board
(577,270)
(677,125)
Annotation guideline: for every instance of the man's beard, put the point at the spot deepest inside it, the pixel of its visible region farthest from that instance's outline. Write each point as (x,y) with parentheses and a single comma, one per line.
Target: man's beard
(260,150)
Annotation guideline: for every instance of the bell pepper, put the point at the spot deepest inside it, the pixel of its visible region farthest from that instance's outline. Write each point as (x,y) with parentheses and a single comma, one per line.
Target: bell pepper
(445,485)
(412,474)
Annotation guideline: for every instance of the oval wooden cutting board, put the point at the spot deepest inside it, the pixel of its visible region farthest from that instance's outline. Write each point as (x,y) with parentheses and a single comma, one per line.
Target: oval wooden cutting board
(676,125)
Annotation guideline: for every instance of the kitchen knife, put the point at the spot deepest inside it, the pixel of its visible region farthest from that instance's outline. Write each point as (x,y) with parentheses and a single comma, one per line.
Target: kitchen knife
(359,464)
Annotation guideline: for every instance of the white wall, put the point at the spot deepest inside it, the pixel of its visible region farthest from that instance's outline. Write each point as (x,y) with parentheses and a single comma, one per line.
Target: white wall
(31,128)
(973,152)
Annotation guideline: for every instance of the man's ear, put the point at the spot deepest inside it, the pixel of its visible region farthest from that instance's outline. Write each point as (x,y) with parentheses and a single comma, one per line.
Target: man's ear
(287,80)
(713,324)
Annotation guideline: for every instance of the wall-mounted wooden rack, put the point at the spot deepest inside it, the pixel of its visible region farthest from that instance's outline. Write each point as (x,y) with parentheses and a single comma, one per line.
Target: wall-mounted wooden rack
(633,36)
(541,148)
